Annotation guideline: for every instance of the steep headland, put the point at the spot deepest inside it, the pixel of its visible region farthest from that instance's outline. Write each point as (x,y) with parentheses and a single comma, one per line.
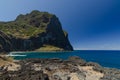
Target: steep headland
(39,31)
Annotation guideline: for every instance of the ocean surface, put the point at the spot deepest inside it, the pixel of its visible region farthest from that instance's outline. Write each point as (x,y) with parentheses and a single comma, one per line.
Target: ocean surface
(105,58)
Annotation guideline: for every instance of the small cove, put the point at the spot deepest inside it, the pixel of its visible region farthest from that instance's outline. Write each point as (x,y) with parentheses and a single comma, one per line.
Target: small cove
(105,58)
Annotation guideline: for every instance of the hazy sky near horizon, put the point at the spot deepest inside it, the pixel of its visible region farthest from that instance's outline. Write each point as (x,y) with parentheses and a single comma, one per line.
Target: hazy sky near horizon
(91,24)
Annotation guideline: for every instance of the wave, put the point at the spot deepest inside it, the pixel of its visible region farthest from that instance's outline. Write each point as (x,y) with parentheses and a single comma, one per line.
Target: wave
(15,55)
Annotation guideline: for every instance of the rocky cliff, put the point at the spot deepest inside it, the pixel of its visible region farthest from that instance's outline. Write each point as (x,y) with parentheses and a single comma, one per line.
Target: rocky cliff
(39,31)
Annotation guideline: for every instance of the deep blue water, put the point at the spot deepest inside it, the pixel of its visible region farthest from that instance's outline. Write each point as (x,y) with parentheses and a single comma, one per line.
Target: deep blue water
(104,58)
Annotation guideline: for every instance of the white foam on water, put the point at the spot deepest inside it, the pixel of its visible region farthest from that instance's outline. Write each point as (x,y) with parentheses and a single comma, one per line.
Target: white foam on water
(15,55)
(12,54)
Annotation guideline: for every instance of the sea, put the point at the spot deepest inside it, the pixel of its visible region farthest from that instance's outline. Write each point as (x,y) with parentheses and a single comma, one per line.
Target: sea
(106,58)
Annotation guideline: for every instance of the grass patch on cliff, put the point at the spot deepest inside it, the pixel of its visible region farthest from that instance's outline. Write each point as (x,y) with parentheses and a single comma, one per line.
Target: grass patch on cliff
(49,48)
(26,26)
(21,31)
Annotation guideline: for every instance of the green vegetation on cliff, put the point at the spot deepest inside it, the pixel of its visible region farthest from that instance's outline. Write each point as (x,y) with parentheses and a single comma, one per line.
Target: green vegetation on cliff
(27,25)
(32,31)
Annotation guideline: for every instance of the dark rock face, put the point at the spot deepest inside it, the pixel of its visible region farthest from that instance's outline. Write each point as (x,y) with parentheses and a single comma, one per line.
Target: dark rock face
(32,31)
(27,75)
(60,39)
(5,42)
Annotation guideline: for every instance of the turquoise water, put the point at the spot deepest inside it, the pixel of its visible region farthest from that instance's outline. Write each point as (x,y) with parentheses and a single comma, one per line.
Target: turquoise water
(104,58)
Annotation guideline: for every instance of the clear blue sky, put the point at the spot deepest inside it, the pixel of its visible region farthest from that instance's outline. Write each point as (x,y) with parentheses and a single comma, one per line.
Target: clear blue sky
(91,24)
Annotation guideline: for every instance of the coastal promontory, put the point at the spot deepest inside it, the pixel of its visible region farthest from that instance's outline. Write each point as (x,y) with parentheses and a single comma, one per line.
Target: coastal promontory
(35,31)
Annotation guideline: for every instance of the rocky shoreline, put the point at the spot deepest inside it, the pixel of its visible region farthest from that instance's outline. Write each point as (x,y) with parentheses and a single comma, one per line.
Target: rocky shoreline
(74,68)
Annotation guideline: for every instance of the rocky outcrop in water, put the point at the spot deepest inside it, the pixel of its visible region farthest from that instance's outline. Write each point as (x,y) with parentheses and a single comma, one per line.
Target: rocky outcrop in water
(73,68)
(39,31)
